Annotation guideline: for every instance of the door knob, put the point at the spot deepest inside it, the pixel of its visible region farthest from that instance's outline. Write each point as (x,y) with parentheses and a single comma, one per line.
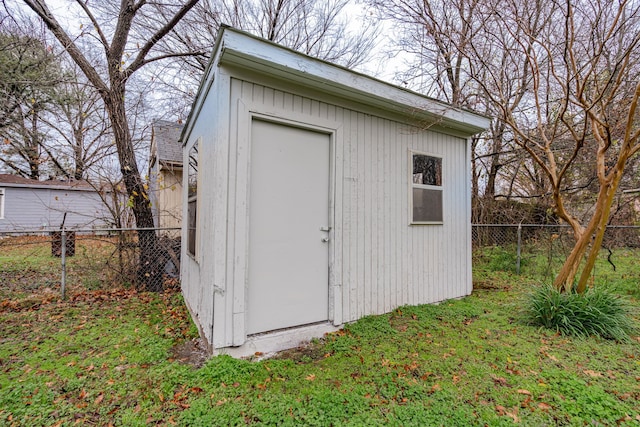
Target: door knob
(325,239)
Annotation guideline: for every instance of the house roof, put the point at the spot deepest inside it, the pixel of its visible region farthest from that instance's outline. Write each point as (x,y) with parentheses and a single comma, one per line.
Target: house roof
(246,51)
(166,140)
(7,180)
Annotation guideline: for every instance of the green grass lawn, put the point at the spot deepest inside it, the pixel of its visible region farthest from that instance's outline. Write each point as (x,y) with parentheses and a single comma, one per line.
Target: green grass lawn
(107,358)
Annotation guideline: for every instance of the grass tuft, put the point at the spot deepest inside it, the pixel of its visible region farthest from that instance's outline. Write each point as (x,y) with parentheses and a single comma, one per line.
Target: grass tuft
(597,312)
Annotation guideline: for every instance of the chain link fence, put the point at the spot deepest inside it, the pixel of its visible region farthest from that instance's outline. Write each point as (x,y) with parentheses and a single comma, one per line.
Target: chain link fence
(542,249)
(75,260)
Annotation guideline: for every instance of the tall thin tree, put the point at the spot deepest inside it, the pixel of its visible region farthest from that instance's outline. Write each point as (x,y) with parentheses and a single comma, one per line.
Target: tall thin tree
(121,58)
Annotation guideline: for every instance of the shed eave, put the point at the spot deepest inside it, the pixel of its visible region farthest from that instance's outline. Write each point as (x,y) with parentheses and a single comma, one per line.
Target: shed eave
(263,57)
(49,187)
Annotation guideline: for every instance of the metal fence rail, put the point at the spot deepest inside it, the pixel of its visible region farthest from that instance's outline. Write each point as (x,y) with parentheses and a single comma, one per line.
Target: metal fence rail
(65,259)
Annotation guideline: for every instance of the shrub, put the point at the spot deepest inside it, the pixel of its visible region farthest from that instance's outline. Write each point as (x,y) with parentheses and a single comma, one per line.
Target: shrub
(597,312)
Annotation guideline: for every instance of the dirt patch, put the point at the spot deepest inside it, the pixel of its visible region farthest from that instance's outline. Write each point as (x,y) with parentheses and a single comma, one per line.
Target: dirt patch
(191,352)
(490,285)
(309,352)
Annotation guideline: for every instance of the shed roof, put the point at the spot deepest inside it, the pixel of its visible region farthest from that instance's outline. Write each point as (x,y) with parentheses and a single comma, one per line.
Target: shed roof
(7,180)
(237,48)
(166,137)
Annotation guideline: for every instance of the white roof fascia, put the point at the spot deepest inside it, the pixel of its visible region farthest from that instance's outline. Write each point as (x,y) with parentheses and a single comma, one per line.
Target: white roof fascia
(245,50)
(204,87)
(61,187)
(235,47)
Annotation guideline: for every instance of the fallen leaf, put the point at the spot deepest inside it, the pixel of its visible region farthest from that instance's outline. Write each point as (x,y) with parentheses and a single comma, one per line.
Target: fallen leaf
(523,391)
(499,380)
(99,399)
(514,414)
(435,388)
(592,373)
(544,406)
(310,377)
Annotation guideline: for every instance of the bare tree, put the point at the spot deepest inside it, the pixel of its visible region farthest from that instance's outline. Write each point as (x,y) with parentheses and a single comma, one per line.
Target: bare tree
(320,28)
(122,55)
(81,131)
(449,42)
(30,71)
(436,34)
(582,104)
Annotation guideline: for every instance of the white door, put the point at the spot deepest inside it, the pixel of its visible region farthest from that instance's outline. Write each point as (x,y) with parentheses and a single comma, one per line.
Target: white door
(288,210)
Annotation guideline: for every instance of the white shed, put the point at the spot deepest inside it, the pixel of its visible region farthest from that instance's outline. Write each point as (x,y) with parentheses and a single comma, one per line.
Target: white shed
(317,196)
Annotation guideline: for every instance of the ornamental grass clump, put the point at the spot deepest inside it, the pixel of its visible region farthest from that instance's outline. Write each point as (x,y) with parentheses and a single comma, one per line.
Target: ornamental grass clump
(596,312)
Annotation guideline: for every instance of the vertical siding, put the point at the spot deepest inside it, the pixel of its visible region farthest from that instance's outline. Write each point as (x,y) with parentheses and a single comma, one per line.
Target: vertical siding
(384,262)
(169,199)
(204,279)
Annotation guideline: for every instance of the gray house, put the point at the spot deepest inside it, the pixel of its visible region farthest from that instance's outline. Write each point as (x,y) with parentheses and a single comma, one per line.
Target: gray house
(165,174)
(27,204)
(317,196)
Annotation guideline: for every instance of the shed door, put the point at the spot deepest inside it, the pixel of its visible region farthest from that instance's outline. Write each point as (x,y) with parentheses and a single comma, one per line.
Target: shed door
(289,206)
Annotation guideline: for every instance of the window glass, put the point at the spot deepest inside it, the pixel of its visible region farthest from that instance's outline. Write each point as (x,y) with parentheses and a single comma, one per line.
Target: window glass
(427,170)
(427,205)
(426,189)
(192,201)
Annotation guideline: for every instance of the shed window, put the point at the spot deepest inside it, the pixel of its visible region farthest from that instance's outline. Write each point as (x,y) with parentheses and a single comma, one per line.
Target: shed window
(192,199)
(426,189)
(1,203)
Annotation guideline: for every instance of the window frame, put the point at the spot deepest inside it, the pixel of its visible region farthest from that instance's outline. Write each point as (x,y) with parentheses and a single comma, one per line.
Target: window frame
(193,237)
(413,186)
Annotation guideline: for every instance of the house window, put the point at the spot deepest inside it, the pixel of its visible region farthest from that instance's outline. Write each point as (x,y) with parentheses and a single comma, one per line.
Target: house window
(192,198)
(1,203)
(426,189)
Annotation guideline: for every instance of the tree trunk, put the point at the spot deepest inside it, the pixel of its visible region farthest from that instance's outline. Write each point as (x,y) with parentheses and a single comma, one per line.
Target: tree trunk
(31,140)
(150,268)
(594,231)
(610,191)
(474,169)
(79,168)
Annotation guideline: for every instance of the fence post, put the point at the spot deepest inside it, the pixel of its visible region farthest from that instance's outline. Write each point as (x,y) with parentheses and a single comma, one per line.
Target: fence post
(518,251)
(63,261)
